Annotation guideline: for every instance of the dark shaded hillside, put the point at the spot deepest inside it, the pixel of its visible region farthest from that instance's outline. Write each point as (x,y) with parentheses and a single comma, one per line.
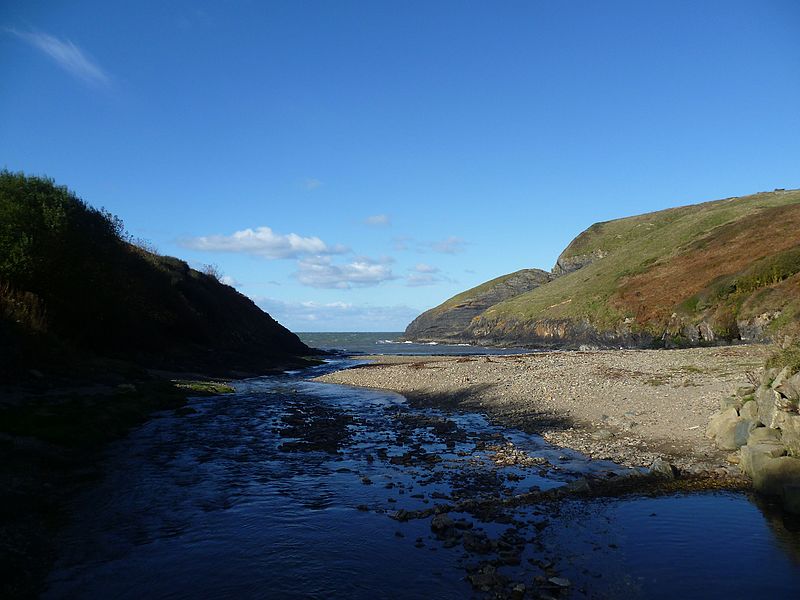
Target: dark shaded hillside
(70,282)
(717,271)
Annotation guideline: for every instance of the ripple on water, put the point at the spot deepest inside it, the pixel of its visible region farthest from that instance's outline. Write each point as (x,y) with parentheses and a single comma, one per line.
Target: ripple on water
(240,499)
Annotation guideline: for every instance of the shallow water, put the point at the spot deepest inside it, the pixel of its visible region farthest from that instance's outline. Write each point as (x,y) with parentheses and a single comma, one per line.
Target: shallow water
(291,489)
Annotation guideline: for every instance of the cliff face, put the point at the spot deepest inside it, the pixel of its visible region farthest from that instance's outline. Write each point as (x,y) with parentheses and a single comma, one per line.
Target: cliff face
(70,284)
(716,271)
(451,320)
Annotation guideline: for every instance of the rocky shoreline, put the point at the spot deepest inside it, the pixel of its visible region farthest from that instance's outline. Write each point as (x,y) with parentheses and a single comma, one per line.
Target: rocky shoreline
(633,407)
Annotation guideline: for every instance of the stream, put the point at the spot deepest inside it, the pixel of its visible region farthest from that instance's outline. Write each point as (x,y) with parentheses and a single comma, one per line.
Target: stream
(289,488)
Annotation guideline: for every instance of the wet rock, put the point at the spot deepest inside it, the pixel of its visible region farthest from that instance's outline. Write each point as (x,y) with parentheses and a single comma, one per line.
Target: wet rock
(561,582)
(441,523)
(579,486)
(477,542)
(662,468)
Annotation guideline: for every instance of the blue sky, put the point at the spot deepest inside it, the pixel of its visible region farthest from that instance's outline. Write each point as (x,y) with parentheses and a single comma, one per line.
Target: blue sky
(350,164)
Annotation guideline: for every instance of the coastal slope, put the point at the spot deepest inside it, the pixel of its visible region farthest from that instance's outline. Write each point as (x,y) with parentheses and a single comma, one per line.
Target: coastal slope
(721,270)
(73,288)
(450,320)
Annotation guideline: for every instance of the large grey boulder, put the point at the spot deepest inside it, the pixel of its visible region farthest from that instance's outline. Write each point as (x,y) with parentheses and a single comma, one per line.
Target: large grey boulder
(752,456)
(790,388)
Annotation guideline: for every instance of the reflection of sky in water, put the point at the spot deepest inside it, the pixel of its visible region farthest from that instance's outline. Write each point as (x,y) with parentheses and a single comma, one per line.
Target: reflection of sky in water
(206,505)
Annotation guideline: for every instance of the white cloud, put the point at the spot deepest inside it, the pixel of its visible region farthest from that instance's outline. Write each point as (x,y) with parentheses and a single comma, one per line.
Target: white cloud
(321,272)
(424,274)
(67,55)
(264,242)
(312,183)
(338,316)
(423,268)
(400,242)
(377,220)
(228,280)
(450,245)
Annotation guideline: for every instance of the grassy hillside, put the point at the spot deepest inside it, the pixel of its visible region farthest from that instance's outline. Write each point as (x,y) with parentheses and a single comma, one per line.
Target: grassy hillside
(720,262)
(70,282)
(449,320)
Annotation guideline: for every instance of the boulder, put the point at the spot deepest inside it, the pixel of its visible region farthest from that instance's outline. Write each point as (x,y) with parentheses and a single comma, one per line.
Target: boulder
(729,402)
(791,498)
(790,434)
(771,475)
(662,468)
(722,420)
(766,398)
(741,433)
(745,390)
(783,375)
(768,375)
(749,410)
(764,434)
(752,456)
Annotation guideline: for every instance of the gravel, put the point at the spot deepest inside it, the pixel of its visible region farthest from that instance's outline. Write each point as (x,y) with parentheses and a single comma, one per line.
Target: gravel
(629,406)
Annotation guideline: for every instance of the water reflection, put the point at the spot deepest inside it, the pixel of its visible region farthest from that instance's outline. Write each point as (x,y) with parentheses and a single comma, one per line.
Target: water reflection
(293,489)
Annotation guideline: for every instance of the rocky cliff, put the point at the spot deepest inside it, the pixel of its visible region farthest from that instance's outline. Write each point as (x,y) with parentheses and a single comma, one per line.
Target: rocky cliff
(717,271)
(450,320)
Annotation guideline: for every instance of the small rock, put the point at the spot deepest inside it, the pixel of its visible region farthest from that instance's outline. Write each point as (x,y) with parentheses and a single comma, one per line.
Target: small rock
(662,468)
(561,582)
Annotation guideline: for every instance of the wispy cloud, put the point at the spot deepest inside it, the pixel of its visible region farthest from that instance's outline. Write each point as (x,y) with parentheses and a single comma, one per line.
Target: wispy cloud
(312,183)
(264,242)
(424,274)
(450,245)
(377,220)
(322,272)
(338,316)
(66,55)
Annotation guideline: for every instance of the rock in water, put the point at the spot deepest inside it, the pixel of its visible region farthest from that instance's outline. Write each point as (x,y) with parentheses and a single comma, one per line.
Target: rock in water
(662,468)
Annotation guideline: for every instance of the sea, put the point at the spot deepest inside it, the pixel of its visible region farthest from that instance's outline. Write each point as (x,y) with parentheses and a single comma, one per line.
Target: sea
(391,342)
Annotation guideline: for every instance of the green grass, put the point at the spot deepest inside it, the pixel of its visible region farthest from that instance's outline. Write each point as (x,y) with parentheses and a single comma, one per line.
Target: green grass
(646,239)
(473,293)
(786,357)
